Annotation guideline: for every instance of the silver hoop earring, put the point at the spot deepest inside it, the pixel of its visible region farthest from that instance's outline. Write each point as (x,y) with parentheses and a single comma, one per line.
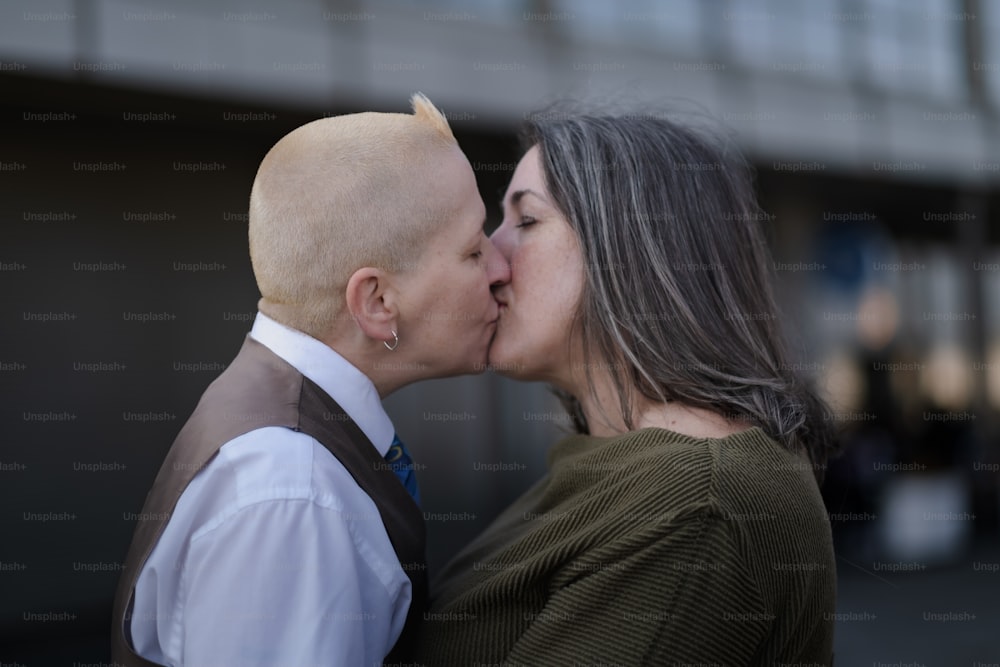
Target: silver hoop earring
(395,343)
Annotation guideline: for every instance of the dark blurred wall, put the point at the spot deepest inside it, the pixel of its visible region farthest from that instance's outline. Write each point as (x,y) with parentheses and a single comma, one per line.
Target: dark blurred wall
(130,289)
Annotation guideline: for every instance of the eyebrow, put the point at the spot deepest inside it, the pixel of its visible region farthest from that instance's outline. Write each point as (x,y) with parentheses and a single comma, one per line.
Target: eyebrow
(518,195)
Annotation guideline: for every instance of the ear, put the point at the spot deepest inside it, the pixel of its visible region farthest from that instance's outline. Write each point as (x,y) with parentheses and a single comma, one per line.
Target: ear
(371,300)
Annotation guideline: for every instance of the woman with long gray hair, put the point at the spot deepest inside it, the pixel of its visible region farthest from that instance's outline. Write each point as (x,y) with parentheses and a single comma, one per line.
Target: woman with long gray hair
(682,523)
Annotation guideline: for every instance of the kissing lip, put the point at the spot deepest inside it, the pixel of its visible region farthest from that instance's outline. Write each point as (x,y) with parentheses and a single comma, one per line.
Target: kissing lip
(501,307)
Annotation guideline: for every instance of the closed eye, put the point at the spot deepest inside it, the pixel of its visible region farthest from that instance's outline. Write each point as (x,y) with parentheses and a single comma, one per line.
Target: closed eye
(525,221)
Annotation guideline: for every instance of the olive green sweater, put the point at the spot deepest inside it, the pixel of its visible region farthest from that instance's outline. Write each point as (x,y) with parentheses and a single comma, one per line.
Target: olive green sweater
(651,548)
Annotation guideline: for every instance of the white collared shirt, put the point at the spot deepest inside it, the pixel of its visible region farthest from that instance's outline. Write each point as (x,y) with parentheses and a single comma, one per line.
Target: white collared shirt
(274,555)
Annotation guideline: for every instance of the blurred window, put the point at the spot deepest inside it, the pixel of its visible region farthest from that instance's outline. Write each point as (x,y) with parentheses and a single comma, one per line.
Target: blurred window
(673,27)
(915,46)
(786,36)
(493,11)
(989,66)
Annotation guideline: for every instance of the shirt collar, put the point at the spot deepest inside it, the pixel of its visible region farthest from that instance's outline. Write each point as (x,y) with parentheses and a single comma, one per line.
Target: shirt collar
(334,374)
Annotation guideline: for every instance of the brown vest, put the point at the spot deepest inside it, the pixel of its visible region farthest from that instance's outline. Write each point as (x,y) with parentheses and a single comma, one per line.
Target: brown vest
(260,389)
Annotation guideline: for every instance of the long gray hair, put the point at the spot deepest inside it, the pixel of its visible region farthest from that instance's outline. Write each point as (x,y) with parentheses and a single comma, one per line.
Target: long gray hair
(678,293)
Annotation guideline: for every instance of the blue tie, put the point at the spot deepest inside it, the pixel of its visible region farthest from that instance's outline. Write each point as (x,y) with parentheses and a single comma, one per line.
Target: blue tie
(402,464)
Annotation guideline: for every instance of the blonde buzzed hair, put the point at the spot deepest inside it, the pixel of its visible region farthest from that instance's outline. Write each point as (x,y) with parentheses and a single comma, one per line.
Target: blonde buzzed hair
(424,109)
(339,194)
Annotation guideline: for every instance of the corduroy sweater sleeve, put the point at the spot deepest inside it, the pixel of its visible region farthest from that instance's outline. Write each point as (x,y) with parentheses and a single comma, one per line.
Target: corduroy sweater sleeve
(682,599)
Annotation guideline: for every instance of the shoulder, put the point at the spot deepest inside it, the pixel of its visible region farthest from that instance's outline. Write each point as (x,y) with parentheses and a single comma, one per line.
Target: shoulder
(762,500)
(267,484)
(651,459)
(744,466)
(672,476)
(754,470)
(642,481)
(274,507)
(770,501)
(273,465)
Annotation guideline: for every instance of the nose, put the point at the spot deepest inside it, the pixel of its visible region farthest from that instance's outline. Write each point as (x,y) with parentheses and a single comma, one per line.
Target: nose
(497,266)
(502,241)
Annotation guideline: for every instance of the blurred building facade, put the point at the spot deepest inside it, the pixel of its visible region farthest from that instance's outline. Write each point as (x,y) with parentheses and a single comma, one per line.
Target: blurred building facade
(133,129)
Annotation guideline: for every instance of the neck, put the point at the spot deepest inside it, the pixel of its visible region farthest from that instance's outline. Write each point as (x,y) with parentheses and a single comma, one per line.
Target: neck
(600,405)
(388,370)
(602,408)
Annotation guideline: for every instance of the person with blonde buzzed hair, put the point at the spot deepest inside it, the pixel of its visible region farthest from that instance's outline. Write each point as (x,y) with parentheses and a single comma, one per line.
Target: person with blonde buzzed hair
(284,525)
(366,174)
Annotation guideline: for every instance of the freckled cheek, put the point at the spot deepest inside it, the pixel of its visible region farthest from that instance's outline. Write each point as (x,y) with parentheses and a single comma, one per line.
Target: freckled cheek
(527,266)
